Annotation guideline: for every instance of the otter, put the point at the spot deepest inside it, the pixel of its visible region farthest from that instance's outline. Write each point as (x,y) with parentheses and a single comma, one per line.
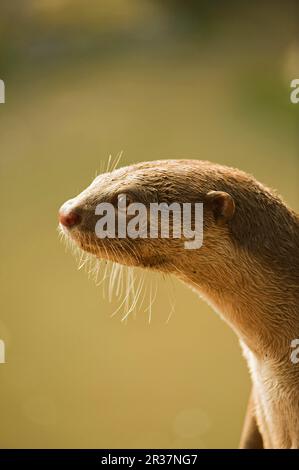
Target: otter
(247,269)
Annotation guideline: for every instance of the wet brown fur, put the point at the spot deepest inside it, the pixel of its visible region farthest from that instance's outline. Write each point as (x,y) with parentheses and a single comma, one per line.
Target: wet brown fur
(247,269)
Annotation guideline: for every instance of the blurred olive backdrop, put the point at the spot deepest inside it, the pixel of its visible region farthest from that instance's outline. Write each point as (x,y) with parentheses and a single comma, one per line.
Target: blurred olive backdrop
(156,79)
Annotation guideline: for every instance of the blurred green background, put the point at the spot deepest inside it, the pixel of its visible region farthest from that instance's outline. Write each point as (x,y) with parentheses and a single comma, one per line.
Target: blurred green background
(156,79)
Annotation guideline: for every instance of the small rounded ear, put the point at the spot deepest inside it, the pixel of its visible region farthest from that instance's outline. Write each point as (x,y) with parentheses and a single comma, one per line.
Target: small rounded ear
(222,206)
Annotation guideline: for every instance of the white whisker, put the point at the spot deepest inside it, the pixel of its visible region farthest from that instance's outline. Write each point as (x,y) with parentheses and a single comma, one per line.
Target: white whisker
(108,163)
(121,282)
(117,160)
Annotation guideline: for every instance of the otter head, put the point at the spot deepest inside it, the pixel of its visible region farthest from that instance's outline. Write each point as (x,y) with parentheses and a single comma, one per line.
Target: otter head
(120,216)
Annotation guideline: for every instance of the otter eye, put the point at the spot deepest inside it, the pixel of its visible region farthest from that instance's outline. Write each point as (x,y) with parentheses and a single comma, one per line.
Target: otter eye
(123,201)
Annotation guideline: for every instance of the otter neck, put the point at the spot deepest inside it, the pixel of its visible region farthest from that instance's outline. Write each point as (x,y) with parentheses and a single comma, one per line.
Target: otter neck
(248,295)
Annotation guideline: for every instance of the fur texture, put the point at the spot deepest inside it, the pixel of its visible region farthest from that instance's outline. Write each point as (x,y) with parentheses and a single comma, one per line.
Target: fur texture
(247,268)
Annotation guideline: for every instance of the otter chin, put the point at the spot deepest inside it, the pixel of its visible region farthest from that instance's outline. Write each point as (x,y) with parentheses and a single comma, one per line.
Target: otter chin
(247,268)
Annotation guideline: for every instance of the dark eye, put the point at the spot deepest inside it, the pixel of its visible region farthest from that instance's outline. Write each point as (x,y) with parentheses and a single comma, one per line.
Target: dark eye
(122,201)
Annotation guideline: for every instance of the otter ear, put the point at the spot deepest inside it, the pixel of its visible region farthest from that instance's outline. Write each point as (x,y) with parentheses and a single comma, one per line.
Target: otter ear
(222,206)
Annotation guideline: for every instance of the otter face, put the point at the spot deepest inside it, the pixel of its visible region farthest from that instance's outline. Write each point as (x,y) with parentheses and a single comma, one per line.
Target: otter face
(144,215)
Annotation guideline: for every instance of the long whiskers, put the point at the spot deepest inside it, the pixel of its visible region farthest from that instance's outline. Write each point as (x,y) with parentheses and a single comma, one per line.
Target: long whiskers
(108,266)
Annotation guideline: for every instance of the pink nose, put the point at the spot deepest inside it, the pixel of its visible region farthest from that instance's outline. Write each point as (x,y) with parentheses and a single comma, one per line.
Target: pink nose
(68,217)
(69,220)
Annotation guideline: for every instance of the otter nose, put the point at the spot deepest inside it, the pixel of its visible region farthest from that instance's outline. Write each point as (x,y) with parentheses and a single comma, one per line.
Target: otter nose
(67,216)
